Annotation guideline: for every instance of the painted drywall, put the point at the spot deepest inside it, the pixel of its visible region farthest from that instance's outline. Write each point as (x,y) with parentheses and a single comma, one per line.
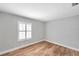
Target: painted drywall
(9,31)
(64,31)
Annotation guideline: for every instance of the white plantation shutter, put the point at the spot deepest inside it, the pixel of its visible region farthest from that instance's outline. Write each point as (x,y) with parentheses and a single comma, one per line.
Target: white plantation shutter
(25,31)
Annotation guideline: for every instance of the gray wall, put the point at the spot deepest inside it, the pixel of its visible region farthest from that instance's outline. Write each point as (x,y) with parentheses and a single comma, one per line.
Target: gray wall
(9,31)
(64,31)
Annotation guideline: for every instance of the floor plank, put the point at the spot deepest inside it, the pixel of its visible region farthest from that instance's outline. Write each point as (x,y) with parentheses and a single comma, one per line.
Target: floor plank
(43,48)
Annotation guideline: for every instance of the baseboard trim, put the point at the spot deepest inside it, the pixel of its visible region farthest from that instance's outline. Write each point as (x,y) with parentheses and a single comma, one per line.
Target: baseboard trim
(9,50)
(63,45)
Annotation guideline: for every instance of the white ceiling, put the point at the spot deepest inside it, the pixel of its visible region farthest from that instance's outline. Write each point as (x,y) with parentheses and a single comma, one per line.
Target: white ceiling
(41,11)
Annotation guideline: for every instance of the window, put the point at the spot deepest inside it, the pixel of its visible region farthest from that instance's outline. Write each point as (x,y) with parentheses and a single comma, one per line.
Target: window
(25,31)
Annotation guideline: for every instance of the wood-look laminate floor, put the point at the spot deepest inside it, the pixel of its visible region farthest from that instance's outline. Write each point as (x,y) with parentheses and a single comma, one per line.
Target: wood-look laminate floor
(43,48)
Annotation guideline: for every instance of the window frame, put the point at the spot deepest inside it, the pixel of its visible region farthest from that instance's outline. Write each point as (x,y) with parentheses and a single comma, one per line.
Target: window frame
(24,30)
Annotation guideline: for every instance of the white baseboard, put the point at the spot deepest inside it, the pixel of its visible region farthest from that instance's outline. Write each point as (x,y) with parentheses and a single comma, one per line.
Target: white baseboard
(9,50)
(63,45)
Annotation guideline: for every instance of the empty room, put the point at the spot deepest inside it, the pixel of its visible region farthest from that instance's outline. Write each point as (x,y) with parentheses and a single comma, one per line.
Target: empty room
(39,29)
